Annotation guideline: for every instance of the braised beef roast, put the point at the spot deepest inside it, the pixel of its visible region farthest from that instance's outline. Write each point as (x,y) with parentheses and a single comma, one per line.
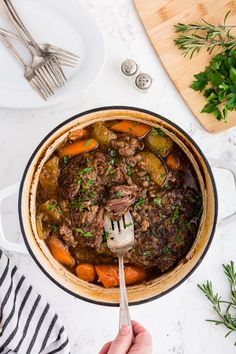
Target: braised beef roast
(112,168)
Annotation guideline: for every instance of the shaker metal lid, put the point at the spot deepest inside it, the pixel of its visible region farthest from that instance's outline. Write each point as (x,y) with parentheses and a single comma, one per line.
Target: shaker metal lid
(143,81)
(129,67)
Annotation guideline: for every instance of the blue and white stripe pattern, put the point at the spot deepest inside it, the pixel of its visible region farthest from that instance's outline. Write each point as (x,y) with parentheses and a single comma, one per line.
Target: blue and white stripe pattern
(28,325)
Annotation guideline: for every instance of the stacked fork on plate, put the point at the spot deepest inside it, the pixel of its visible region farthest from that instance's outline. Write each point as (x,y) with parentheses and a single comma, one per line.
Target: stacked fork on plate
(44,73)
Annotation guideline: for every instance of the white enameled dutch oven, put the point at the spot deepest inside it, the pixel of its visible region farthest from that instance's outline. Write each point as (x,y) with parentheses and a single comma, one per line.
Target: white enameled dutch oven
(55,271)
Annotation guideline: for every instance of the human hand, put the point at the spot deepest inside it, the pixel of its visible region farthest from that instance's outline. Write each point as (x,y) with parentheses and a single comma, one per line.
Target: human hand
(122,344)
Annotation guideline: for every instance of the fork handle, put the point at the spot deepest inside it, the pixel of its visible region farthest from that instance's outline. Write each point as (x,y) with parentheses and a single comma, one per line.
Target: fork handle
(12,35)
(12,49)
(15,25)
(8,34)
(124,306)
(18,20)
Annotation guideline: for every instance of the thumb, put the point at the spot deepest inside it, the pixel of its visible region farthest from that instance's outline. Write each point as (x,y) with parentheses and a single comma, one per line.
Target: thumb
(122,342)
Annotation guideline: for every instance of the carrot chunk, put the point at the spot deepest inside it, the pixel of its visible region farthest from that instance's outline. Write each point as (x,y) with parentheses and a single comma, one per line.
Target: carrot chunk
(77,134)
(78,147)
(59,251)
(174,163)
(108,275)
(134,275)
(134,128)
(86,272)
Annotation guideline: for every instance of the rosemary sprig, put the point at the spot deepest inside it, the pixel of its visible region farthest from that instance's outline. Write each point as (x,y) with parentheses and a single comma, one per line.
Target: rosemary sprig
(205,35)
(224,309)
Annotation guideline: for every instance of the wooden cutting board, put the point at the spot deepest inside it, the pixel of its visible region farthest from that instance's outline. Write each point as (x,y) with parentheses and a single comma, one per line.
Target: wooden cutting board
(158,18)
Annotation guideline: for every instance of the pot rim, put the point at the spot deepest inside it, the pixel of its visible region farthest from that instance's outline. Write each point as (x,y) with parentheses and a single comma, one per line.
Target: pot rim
(105,108)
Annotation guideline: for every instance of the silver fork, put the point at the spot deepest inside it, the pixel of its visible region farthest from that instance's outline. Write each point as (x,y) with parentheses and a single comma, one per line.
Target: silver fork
(41,59)
(29,74)
(120,240)
(49,70)
(63,56)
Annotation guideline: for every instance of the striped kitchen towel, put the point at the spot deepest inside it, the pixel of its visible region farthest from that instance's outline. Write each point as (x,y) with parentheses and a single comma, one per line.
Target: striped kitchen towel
(28,325)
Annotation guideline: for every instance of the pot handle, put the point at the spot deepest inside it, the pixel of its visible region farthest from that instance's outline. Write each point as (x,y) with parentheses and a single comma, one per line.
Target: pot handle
(225,165)
(4,243)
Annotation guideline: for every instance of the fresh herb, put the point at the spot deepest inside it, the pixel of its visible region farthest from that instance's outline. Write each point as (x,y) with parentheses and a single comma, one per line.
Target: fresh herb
(79,182)
(85,170)
(52,206)
(147,177)
(175,215)
(157,201)
(155,131)
(78,229)
(92,195)
(112,175)
(110,169)
(153,232)
(75,203)
(88,234)
(218,80)
(218,83)
(112,161)
(84,233)
(129,171)
(118,194)
(166,250)
(128,225)
(162,216)
(198,213)
(88,184)
(189,226)
(147,253)
(82,207)
(192,199)
(178,238)
(225,309)
(54,227)
(183,225)
(113,154)
(140,202)
(66,159)
(105,236)
(204,35)
(87,142)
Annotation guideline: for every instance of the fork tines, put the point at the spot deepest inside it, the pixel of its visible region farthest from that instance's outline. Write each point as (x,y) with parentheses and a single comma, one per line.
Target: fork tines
(37,85)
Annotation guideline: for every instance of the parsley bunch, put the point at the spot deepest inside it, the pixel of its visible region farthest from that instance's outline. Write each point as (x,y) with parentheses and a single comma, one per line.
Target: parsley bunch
(218,84)
(218,80)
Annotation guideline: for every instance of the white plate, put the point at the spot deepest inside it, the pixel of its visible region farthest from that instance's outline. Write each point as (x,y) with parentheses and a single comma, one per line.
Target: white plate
(66,24)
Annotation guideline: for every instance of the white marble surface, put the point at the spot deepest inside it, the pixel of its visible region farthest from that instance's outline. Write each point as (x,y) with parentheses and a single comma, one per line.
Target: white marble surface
(177,320)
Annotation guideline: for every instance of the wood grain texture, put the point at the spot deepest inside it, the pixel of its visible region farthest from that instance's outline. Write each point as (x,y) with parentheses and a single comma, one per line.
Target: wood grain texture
(158,18)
